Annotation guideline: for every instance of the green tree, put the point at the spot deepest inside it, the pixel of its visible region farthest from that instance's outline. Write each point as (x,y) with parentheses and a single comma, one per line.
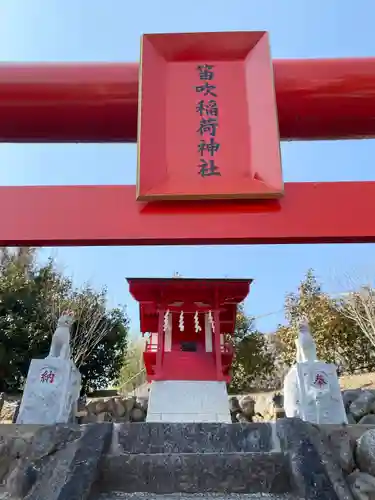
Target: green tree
(254,363)
(29,295)
(338,338)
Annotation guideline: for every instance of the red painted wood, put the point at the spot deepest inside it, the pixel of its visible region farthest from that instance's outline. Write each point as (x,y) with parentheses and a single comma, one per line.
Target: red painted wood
(236,92)
(109,215)
(188,366)
(217,346)
(155,296)
(160,352)
(86,102)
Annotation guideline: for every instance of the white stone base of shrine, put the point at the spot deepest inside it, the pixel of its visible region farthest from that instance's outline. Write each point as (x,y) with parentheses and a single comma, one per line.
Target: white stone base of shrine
(51,392)
(188,401)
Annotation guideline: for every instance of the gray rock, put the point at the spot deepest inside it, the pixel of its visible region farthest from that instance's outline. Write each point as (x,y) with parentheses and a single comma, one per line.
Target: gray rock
(21,480)
(81,403)
(362,405)
(137,415)
(60,463)
(116,407)
(365,452)
(234,404)
(316,472)
(367,420)
(351,419)
(278,400)
(142,403)
(49,439)
(19,446)
(349,396)
(90,418)
(242,418)
(124,419)
(343,445)
(362,485)
(234,416)
(69,472)
(46,443)
(129,403)
(247,405)
(90,407)
(5,458)
(100,407)
(104,417)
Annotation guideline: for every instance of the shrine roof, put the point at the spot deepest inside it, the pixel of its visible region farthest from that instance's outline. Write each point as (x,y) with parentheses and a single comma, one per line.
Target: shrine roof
(187,292)
(152,289)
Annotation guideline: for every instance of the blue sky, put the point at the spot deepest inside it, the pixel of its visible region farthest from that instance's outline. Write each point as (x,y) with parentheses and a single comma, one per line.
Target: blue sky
(110,30)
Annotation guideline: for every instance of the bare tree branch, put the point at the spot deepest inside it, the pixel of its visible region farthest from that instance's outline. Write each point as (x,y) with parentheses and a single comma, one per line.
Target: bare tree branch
(91,320)
(359,306)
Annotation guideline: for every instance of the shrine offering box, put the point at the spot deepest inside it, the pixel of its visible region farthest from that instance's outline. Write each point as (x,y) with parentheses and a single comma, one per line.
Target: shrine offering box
(207,126)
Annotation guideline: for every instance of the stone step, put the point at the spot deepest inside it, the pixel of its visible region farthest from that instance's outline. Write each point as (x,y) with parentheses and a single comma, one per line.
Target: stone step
(156,437)
(196,473)
(202,496)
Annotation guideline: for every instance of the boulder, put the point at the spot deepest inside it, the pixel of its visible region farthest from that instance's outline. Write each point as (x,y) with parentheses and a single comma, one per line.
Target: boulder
(362,485)
(367,419)
(351,419)
(60,462)
(247,405)
(241,418)
(349,396)
(365,452)
(343,445)
(137,415)
(129,403)
(116,407)
(362,405)
(100,407)
(5,458)
(234,404)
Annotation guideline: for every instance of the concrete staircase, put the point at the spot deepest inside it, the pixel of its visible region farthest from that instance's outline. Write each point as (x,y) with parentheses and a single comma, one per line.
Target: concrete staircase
(158,461)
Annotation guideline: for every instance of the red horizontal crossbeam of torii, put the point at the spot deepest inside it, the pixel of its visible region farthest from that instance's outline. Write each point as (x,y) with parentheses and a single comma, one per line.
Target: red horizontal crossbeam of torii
(316,99)
(85,102)
(109,215)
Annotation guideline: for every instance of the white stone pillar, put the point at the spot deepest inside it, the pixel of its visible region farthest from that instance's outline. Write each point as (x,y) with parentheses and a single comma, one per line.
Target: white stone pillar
(207,333)
(168,335)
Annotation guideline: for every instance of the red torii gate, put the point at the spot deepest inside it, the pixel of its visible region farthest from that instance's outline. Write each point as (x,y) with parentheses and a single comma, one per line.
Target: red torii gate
(316,99)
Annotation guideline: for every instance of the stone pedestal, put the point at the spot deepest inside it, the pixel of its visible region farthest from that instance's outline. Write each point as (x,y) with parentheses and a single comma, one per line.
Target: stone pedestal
(51,393)
(188,401)
(312,393)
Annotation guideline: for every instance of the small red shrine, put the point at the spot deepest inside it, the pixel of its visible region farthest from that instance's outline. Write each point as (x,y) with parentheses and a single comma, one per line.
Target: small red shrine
(190,323)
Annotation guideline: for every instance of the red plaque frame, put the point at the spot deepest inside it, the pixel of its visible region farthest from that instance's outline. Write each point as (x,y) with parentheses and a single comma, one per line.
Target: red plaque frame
(239,80)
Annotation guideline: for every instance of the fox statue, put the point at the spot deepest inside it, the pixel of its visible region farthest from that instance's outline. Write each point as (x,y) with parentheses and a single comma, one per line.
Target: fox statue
(60,345)
(306,347)
(311,387)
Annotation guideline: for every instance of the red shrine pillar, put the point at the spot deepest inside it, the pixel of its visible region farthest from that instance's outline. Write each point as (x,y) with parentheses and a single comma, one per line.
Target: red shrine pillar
(160,349)
(217,334)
